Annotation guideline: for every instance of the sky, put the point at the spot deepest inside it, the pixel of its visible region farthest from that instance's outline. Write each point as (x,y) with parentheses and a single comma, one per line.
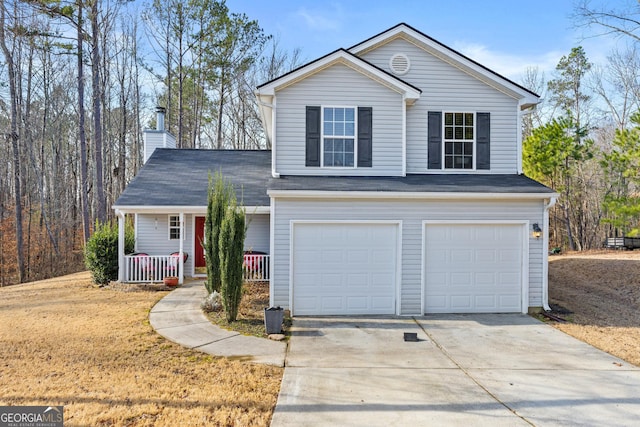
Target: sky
(505,35)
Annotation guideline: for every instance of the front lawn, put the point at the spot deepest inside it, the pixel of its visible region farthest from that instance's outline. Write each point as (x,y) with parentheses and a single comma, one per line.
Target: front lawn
(67,342)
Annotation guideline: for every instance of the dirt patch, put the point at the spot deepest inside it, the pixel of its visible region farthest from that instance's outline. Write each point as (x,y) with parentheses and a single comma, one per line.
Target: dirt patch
(250,320)
(67,342)
(599,293)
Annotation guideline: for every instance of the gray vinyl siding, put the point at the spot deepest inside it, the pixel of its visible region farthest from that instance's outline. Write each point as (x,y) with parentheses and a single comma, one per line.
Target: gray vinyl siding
(153,139)
(154,240)
(257,238)
(447,88)
(412,213)
(338,85)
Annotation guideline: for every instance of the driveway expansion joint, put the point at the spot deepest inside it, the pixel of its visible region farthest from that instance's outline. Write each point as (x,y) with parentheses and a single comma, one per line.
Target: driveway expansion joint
(468,374)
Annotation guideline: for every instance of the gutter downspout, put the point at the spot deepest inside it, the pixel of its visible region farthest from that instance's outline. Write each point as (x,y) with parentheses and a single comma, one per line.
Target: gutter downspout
(181,251)
(121,227)
(545,254)
(272,106)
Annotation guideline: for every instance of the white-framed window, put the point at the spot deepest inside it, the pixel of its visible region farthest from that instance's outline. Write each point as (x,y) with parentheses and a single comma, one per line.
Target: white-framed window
(339,126)
(174,227)
(459,140)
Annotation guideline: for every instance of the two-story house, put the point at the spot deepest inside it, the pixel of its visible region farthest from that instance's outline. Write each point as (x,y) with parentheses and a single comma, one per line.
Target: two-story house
(394,186)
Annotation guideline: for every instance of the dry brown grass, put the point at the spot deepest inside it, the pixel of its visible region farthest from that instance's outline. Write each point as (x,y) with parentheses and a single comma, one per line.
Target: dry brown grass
(599,292)
(66,342)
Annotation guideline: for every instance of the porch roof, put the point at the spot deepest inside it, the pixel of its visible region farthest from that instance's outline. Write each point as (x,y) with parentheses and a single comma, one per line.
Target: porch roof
(179,177)
(414,183)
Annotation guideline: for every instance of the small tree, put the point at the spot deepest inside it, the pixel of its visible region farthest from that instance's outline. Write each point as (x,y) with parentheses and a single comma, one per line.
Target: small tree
(101,251)
(232,234)
(220,195)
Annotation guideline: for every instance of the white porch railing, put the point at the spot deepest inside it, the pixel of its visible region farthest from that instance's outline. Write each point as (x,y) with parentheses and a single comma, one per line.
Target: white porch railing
(141,268)
(150,268)
(256,267)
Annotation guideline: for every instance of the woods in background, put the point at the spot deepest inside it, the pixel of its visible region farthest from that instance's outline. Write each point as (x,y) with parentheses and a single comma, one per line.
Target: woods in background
(81,79)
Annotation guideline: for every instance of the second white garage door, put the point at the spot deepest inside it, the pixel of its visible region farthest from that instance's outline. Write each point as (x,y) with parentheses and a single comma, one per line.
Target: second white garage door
(473,268)
(344,268)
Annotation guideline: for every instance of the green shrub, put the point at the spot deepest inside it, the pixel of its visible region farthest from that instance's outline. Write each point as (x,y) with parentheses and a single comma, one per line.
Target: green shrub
(101,251)
(220,196)
(232,234)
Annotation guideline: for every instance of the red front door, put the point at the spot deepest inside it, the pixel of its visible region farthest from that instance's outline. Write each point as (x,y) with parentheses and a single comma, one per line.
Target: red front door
(199,260)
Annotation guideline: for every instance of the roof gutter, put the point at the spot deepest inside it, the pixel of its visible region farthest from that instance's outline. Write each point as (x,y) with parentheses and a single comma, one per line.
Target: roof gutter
(185,209)
(306,194)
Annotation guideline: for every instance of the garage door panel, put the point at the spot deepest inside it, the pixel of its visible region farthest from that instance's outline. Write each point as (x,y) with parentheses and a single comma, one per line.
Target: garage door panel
(473,268)
(355,274)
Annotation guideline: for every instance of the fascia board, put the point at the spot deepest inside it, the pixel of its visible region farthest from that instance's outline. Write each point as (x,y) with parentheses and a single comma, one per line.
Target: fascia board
(184,209)
(301,194)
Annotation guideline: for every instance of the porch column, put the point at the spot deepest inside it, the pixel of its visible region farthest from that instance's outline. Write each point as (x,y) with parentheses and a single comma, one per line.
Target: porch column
(121,263)
(181,262)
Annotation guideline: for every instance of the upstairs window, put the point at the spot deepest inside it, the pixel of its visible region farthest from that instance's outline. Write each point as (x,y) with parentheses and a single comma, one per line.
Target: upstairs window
(174,227)
(338,136)
(459,140)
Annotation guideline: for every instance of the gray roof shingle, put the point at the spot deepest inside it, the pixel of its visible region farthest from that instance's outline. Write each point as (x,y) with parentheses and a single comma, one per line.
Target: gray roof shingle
(420,183)
(179,177)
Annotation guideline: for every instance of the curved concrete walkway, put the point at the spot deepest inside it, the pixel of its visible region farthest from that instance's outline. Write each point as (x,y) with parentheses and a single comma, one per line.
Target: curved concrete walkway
(178,318)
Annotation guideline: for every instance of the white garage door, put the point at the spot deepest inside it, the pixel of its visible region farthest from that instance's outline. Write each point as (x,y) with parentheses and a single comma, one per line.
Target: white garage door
(344,268)
(473,268)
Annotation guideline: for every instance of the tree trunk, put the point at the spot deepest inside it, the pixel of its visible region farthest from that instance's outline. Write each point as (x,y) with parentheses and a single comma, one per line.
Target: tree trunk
(14,137)
(84,175)
(101,213)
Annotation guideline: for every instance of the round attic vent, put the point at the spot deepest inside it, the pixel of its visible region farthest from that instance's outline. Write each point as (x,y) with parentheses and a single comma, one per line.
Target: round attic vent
(399,64)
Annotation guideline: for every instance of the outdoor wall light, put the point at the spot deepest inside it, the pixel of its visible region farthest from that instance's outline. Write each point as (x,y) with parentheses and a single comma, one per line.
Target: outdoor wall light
(537,231)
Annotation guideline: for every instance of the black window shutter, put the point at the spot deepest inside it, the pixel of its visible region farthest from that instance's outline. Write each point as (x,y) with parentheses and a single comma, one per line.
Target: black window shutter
(483,140)
(365,137)
(434,149)
(312,146)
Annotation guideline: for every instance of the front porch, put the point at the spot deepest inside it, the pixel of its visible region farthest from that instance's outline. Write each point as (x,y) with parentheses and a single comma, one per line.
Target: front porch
(168,242)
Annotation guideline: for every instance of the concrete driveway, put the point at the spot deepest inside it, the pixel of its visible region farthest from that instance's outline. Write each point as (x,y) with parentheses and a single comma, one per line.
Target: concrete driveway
(497,370)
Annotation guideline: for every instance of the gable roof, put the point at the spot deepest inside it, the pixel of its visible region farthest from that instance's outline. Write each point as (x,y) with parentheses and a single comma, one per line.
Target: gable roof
(341,56)
(451,56)
(179,178)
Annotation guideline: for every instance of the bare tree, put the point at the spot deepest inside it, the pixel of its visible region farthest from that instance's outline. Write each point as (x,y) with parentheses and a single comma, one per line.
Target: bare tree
(14,137)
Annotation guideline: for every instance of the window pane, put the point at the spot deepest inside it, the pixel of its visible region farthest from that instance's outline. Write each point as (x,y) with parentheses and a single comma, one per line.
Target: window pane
(467,163)
(339,115)
(338,145)
(349,129)
(468,148)
(348,159)
(448,148)
(448,132)
(468,119)
(348,145)
(448,119)
(458,133)
(458,119)
(349,114)
(328,145)
(338,129)
(448,162)
(328,128)
(328,114)
(468,133)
